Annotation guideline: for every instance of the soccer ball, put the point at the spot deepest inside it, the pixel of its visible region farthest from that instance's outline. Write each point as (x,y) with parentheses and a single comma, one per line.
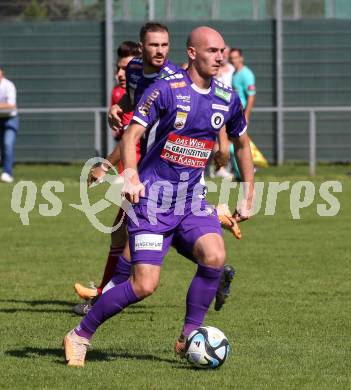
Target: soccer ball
(207,347)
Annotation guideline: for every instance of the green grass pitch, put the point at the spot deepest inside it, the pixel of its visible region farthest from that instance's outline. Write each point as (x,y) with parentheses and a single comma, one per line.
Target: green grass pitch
(288,318)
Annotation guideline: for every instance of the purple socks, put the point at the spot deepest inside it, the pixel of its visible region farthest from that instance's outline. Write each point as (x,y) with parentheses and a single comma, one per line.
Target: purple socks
(201,292)
(122,270)
(110,303)
(200,295)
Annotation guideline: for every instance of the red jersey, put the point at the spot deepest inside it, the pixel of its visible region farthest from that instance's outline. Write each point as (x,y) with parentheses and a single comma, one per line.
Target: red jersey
(116,96)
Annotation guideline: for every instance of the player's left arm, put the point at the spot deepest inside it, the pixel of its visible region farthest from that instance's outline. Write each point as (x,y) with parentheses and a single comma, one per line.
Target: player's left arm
(250,103)
(244,159)
(221,157)
(237,131)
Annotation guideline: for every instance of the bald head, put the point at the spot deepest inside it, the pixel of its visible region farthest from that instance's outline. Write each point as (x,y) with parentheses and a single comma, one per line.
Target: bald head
(200,35)
(205,47)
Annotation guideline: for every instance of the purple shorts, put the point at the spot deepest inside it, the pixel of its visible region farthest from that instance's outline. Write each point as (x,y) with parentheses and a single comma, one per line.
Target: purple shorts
(149,242)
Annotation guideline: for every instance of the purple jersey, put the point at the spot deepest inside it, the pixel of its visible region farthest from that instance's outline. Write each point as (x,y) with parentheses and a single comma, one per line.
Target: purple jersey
(137,81)
(183,122)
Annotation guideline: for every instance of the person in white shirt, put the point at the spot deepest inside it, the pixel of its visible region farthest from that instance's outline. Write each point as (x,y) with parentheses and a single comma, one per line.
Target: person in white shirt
(226,71)
(8,125)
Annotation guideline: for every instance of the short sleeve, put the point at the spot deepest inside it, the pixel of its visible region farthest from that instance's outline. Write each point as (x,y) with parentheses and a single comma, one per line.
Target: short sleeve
(11,94)
(153,104)
(236,125)
(250,84)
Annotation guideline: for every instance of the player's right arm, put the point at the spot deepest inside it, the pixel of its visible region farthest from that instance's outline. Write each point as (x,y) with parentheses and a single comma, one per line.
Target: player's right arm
(133,189)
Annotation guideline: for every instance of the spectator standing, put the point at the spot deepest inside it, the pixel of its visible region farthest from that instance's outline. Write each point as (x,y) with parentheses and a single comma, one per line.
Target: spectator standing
(244,84)
(8,125)
(225,74)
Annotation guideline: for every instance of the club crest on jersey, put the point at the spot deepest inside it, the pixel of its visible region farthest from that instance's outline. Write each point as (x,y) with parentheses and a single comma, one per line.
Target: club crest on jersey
(217,120)
(224,95)
(144,109)
(180,120)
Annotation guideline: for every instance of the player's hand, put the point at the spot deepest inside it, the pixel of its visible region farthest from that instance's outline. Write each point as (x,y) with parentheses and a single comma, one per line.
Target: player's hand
(243,211)
(115,119)
(220,159)
(96,174)
(133,189)
(228,221)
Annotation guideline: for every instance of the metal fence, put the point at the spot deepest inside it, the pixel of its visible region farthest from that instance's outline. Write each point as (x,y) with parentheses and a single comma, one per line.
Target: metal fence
(298,63)
(279,144)
(171,10)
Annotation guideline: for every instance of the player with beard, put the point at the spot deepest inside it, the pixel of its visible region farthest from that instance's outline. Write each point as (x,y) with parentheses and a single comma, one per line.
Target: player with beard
(140,74)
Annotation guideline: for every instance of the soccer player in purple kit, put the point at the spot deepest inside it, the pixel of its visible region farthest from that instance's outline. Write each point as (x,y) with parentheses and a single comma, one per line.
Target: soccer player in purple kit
(140,73)
(180,117)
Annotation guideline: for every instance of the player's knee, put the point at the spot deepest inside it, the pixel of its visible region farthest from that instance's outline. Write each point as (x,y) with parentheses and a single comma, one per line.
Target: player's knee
(144,288)
(215,259)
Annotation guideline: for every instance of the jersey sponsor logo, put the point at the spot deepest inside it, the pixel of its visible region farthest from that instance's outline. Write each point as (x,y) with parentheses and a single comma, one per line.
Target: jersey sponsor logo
(144,109)
(148,242)
(251,88)
(217,120)
(184,108)
(183,98)
(187,151)
(220,107)
(180,120)
(224,95)
(178,84)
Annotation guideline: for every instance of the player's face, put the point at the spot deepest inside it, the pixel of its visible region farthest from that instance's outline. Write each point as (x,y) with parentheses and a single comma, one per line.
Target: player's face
(208,55)
(120,73)
(235,59)
(155,48)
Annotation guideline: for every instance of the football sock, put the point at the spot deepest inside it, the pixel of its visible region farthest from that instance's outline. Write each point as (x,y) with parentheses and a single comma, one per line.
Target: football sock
(200,295)
(110,303)
(110,266)
(122,270)
(82,333)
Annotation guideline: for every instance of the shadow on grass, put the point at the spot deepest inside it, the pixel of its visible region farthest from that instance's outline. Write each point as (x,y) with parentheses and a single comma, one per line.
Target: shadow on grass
(39,302)
(133,309)
(35,353)
(9,311)
(68,310)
